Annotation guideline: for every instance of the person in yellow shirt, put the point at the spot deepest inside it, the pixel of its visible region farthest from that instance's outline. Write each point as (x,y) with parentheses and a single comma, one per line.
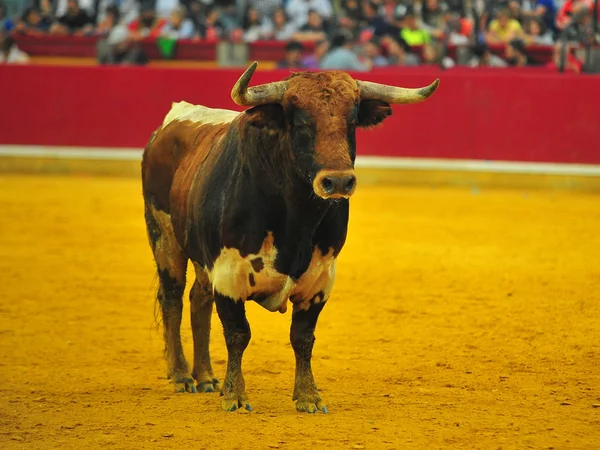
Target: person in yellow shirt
(503,29)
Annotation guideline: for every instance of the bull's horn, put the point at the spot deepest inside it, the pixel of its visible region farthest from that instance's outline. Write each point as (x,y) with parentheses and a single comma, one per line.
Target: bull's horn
(393,94)
(256,95)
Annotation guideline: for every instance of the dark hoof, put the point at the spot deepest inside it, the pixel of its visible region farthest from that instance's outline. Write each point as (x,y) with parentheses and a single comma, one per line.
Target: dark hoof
(185,385)
(208,386)
(234,405)
(310,407)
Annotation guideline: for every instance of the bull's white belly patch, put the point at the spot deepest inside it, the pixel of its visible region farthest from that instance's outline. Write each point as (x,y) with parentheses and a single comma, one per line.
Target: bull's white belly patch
(182,111)
(254,277)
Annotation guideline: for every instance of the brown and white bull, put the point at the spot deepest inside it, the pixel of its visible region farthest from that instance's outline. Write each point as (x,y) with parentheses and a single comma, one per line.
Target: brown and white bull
(258,201)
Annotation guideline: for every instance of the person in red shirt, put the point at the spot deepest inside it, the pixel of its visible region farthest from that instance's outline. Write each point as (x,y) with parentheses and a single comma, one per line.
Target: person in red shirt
(147,25)
(572,64)
(570,8)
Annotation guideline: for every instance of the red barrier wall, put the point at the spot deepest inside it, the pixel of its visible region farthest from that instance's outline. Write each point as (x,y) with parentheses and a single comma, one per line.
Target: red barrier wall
(521,115)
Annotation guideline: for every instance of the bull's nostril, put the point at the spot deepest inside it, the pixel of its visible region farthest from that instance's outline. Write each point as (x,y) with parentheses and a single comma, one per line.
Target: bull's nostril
(328,185)
(350,184)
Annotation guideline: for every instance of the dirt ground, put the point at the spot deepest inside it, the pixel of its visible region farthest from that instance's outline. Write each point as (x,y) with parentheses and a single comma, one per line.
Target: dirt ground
(459,319)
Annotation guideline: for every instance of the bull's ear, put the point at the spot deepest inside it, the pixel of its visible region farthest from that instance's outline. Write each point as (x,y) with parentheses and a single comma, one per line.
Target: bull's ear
(271,116)
(372,112)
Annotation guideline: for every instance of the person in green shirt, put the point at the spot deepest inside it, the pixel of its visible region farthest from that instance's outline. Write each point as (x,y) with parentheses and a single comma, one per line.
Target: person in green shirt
(410,32)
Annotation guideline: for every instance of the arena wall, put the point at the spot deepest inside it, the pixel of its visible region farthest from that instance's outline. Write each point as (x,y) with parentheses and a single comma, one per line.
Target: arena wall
(481,128)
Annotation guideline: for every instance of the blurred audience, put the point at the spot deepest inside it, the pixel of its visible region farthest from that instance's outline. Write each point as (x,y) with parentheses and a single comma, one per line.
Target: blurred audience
(75,21)
(293,56)
(33,23)
(503,28)
(148,24)
(10,52)
(325,34)
(341,57)
(121,48)
(280,28)
(6,22)
(313,60)
(483,57)
(313,30)
(178,26)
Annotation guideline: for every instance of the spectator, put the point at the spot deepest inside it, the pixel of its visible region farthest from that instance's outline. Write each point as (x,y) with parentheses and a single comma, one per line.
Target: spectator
(76,21)
(281,29)
(535,33)
(351,16)
(229,13)
(10,53)
(120,48)
(164,8)
(341,57)
(455,27)
(197,12)
(399,52)
(6,23)
(502,29)
(516,55)
(266,8)
(33,24)
(567,10)
(372,52)
(411,33)
(433,18)
(483,57)
(47,10)
(128,10)
(212,27)
(313,60)
(457,7)
(572,64)
(60,8)
(147,25)
(577,13)
(111,19)
(543,10)
(377,24)
(298,10)
(254,26)
(313,30)
(293,56)
(178,26)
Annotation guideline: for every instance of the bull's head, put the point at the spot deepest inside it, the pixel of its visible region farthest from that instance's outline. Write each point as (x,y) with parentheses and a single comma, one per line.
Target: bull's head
(321,112)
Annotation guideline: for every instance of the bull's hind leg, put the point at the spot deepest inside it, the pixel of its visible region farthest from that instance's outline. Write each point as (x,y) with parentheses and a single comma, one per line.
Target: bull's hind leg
(302,337)
(171,264)
(201,306)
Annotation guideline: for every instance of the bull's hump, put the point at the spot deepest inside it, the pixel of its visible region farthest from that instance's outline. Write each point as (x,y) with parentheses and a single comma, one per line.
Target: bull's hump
(184,111)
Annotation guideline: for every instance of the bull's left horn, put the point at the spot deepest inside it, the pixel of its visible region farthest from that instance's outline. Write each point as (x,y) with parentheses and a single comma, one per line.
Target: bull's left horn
(395,95)
(257,95)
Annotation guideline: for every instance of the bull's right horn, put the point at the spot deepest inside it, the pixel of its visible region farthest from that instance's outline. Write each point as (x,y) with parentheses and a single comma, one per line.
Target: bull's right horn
(256,95)
(393,94)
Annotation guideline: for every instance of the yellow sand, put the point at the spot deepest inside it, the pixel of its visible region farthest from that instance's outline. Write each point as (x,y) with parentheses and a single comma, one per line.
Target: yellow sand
(459,320)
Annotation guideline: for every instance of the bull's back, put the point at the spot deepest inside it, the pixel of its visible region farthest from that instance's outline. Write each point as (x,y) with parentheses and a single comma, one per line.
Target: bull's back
(179,148)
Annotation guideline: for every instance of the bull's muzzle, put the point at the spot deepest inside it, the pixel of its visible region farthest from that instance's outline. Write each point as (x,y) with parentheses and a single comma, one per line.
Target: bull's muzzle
(335,184)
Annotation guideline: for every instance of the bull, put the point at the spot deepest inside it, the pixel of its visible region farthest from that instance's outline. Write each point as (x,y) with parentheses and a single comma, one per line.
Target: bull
(258,201)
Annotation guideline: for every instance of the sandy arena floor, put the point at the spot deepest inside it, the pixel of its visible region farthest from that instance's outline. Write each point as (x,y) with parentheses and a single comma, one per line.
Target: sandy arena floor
(459,320)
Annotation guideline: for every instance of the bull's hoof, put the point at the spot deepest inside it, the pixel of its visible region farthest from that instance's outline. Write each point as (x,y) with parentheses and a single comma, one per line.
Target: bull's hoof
(209,386)
(235,404)
(310,407)
(184,384)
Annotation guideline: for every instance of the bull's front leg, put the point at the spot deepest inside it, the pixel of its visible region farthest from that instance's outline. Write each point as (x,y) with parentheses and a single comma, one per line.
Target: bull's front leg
(302,337)
(237,336)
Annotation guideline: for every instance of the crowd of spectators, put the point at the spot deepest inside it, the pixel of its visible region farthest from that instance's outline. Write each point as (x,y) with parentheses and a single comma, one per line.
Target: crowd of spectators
(347,34)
